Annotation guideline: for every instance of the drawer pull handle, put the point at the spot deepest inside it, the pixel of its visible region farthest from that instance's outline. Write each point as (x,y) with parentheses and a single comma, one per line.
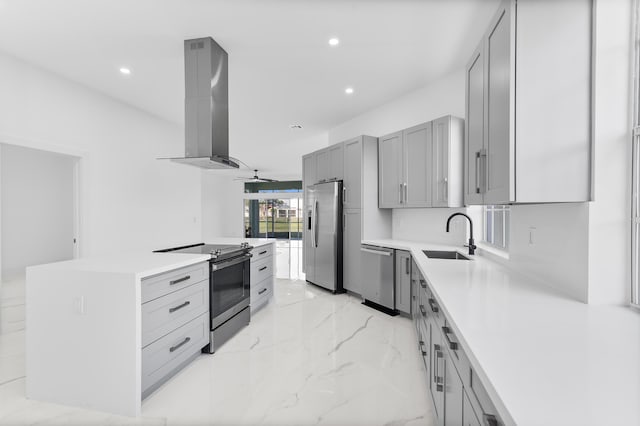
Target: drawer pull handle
(262,291)
(262,252)
(452,345)
(184,342)
(423,284)
(423,310)
(172,310)
(179,280)
(434,307)
(489,420)
(262,269)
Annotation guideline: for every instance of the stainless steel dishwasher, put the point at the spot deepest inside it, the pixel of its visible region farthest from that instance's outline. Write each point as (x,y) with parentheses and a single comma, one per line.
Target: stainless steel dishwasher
(377,277)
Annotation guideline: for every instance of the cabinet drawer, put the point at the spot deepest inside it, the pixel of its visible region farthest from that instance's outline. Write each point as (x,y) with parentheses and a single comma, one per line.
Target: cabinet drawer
(171,281)
(261,252)
(166,354)
(261,289)
(165,314)
(261,292)
(261,270)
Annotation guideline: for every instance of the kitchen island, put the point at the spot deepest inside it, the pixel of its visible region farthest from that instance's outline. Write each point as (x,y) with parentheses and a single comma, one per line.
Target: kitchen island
(84,334)
(543,358)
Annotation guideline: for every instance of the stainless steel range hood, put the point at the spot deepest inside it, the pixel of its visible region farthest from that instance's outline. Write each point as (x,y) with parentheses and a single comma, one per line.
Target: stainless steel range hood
(206,106)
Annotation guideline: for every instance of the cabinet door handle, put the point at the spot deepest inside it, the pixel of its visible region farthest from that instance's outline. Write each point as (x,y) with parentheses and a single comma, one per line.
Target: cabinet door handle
(184,342)
(262,291)
(262,252)
(423,284)
(484,163)
(263,268)
(407,265)
(184,305)
(477,172)
(452,345)
(179,280)
(405,193)
(433,305)
(445,181)
(489,420)
(400,193)
(344,195)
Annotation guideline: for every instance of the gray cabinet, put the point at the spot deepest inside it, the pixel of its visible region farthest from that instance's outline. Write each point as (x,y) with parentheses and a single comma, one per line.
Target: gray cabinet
(352,182)
(390,171)
(403,281)
(422,166)
(456,392)
(447,163)
(528,105)
(352,264)
(329,163)
(308,170)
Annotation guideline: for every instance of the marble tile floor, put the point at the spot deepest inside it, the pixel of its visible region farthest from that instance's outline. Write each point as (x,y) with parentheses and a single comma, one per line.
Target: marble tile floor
(307,358)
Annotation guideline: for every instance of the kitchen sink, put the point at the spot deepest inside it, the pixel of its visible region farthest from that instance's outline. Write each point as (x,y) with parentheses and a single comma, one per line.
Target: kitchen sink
(443,254)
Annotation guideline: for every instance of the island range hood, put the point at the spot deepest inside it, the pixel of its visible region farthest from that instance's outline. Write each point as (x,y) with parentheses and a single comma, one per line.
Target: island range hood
(206,106)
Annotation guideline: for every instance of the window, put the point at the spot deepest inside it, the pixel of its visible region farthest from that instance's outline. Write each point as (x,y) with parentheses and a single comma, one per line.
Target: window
(496,226)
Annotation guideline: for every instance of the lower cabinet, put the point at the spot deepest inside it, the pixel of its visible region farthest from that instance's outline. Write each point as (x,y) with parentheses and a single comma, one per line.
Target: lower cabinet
(457,395)
(403,282)
(261,278)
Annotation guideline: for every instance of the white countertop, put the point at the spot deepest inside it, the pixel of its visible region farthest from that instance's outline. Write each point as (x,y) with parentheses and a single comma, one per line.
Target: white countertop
(544,358)
(140,264)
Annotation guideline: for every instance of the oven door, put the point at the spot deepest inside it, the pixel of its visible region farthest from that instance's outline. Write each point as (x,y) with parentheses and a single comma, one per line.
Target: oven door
(229,293)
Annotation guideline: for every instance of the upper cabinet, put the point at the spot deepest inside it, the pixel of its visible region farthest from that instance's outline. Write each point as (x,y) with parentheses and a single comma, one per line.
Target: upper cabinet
(422,166)
(528,105)
(329,163)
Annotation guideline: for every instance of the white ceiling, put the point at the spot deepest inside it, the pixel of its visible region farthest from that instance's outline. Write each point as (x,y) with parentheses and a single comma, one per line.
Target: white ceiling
(282,70)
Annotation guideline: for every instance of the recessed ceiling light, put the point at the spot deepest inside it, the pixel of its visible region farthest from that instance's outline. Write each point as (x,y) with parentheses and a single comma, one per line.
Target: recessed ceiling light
(295,126)
(125,71)
(334,41)
(348,90)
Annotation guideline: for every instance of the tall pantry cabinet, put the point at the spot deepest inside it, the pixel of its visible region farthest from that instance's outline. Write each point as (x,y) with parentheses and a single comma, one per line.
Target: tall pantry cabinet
(528,105)
(357,167)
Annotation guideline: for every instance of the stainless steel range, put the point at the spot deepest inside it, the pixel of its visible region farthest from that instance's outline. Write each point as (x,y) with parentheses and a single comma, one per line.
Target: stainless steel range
(229,288)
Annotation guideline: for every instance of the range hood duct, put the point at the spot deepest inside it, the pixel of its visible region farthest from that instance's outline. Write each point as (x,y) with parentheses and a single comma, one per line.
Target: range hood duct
(206,105)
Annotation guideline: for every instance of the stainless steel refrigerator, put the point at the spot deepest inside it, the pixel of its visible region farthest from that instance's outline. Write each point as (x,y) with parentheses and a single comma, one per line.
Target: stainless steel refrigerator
(323,235)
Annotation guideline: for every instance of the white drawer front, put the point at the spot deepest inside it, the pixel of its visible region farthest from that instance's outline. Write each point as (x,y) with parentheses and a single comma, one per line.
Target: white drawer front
(171,281)
(162,356)
(165,314)
(261,252)
(261,270)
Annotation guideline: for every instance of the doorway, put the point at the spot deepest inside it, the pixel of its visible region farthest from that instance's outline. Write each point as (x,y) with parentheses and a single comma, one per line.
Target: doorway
(38,220)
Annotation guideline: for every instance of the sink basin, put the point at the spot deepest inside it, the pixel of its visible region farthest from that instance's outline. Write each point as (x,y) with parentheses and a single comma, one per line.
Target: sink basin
(442,254)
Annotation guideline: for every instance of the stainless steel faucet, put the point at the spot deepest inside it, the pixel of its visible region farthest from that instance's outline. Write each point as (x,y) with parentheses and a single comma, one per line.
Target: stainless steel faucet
(472,246)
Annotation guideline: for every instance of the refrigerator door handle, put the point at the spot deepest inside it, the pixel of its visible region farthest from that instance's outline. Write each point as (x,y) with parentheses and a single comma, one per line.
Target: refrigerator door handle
(315,231)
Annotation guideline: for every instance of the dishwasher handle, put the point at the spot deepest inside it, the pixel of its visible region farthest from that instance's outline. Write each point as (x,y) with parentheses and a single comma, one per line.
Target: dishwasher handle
(378,252)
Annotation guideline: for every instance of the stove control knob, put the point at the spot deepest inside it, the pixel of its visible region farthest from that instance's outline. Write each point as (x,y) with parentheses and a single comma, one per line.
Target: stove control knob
(217,252)
(244,245)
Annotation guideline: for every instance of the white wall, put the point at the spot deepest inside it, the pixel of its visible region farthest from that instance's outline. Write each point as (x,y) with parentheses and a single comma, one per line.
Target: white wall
(36,188)
(443,97)
(581,249)
(609,215)
(222,206)
(128,199)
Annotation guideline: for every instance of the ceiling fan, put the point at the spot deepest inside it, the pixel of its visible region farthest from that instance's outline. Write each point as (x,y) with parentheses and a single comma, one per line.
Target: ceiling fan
(256,178)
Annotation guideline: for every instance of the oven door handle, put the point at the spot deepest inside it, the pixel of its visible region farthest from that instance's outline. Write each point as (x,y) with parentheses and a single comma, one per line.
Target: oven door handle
(231,262)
